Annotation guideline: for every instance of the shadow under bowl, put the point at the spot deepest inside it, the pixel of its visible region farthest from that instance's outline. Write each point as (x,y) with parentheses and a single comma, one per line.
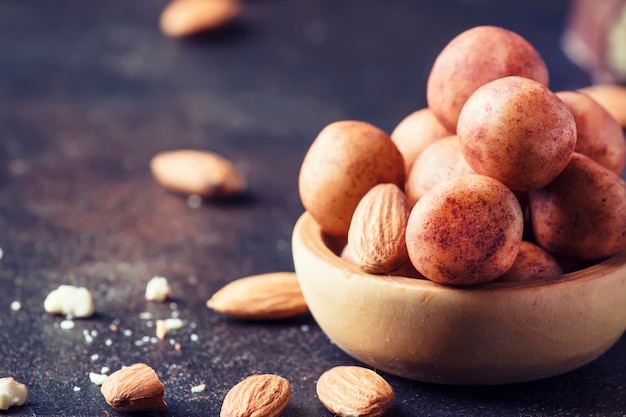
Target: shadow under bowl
(494,333)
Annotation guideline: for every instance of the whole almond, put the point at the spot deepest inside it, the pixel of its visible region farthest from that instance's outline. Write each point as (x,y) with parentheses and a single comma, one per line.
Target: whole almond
(133,388)
(376,237)
(274,295)
(263,395)
(354,391)
(186,17)
(612,97)
(202,173)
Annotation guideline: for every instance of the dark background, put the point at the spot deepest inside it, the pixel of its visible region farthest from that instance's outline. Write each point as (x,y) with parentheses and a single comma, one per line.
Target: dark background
(91,90)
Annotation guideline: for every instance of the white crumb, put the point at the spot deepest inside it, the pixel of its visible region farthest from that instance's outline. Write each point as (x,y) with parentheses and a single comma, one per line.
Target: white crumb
(198,388)
(97,379)
(12,393)
(69,301)
(158,289)
(67,324)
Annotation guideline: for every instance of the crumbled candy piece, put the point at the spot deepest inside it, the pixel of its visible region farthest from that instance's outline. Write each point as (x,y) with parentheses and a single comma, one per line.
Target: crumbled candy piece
(158,289)
(198,388)
(69,301)
(12,393)
(164,326)
(97,379)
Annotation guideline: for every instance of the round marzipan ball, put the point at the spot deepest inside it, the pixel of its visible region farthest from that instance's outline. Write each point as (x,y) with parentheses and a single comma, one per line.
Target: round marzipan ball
(343,163)
(599,135)
(581,215)
(416,132)
(466,231)
(517,131)
(473,58)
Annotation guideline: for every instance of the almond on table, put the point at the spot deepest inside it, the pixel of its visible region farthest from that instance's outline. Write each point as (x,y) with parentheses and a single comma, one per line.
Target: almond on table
(264,395)
(195,172)
(185,17)
(274,295)
(355,391)
(134,388)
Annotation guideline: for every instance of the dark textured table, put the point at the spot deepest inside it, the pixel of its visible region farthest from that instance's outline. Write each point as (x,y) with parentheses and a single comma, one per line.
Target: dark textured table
(91,90)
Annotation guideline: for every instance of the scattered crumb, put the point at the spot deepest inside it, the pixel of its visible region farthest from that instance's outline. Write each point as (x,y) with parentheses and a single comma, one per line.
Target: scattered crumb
(76,389)
(88,337)
(113,327)
(198,388)
(104,370)
(12,393)
(127,332)
(194,337)
(97,379)
(177,346)
(67,324)
(95,357)
(158,289)
(145,315)
(108,342)
(15,305)
(304,328)
(164,326)
(69,301)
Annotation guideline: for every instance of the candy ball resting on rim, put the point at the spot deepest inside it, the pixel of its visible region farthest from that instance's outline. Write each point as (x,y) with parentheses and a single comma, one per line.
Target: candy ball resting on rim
(465,231)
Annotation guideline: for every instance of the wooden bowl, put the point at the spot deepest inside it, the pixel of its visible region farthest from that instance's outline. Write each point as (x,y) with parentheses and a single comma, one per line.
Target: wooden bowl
(488,334)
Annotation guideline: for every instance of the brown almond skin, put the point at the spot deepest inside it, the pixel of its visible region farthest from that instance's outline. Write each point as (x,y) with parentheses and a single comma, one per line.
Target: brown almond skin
(186,17)
(269,296)
(196,172)
(344,162)
(377,231)
(133,388)
(581,215)
(264,395)
(473,58)
(355,391)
